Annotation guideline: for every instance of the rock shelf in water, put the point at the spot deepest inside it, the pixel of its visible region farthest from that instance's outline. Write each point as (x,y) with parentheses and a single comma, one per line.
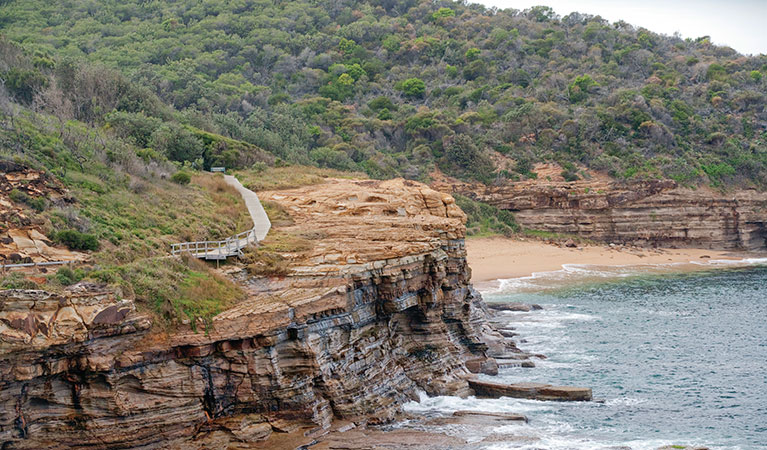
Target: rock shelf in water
(533,391)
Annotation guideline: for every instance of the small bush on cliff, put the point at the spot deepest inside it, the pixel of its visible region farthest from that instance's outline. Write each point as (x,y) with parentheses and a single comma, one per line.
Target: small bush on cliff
(17,281)
(76,240)
(181,178)
(37,203)
(174,290)
(66,276)
(484,219)
(425,353)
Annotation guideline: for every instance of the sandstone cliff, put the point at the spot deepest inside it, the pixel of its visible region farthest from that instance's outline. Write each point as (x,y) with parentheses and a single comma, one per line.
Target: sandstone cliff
(379,307)
(654,213)
(21,237)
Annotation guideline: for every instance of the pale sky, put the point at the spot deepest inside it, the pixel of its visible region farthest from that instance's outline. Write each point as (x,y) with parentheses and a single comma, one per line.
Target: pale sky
(740,24)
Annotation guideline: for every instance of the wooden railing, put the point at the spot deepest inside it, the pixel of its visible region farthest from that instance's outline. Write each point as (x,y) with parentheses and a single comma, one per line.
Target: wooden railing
(232,246)
(218,250)
(4,267)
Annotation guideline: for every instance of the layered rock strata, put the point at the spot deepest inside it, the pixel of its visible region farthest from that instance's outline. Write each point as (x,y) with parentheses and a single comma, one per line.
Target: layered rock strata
(21,236)
(647,213)
(377,309)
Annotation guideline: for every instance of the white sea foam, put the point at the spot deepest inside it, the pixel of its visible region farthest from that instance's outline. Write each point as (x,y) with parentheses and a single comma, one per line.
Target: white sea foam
(541,281)
(559,442)
(625,401)
(732,262)
(450,404)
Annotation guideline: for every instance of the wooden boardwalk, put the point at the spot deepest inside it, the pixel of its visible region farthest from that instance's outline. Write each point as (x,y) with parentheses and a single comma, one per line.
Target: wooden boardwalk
(231,246)
(261,223)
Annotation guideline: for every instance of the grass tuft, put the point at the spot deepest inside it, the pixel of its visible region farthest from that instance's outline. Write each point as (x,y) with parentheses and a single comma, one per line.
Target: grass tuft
(174,289)
(290,177)
(274,254)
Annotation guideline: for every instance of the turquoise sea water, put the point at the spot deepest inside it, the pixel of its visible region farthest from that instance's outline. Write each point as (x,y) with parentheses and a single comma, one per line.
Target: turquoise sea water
(677,359)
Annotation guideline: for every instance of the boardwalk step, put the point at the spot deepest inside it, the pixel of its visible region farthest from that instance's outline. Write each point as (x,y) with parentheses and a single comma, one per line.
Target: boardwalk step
(220,250)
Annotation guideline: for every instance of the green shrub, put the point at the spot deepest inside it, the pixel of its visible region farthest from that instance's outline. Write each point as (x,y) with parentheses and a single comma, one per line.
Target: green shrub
(579,88)
(176,142)
(17,281)
(331,158)
(442,14)
(181,178)
(137,127)
(380,103)
(259,167)
(484,219)
(76,240)
(67,276)
(717,172)
(570,172)
(24,84)
(384,114)
(465,160)
(716,72)
(413,87)
(569,176)
(37,203)
(474,70)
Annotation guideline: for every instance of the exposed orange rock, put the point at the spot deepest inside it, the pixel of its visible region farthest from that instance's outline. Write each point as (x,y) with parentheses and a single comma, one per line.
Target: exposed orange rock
(379,307)
(645,213)
(21,239)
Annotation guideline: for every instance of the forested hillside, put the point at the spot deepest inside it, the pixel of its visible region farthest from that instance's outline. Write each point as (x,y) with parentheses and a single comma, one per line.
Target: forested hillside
(390,87)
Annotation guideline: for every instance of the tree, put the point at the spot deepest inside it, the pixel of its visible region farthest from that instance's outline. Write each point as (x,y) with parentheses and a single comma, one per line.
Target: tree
(136,127)
(443,14)
(414,87)
(181,178)
(380,103)
(24,84)
(347,45)
(579,88)
(356,71)
(177,143)
(464,159)
(334,159)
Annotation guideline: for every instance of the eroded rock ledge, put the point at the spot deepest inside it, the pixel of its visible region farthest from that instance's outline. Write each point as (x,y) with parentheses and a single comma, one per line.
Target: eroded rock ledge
(648,213)
(381,307)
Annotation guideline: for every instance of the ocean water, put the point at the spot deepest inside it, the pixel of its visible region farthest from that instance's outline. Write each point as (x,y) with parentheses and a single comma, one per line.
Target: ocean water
(677,358)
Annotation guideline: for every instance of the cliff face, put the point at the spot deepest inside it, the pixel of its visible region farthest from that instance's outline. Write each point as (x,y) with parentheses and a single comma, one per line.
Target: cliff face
(657,213)
(380,307)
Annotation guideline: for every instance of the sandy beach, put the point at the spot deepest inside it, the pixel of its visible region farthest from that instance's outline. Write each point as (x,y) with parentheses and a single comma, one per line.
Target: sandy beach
(499,257)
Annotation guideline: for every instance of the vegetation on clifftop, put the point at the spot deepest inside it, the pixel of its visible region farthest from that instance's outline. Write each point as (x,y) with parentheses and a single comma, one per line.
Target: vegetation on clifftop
(392,87)
(125,102)
(484,220)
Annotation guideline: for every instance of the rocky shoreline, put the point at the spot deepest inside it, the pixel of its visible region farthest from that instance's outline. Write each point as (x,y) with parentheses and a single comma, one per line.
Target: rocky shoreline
(376,309)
